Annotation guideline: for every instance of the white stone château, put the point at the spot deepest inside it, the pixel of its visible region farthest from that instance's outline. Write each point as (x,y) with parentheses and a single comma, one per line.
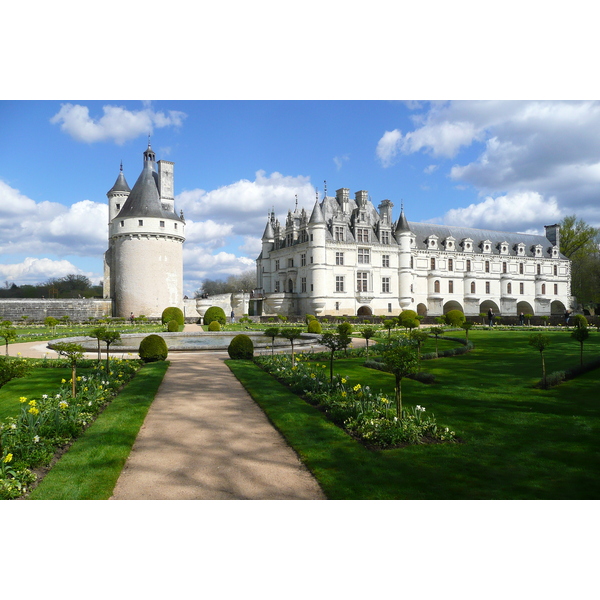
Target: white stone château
(348,258)
(143,266)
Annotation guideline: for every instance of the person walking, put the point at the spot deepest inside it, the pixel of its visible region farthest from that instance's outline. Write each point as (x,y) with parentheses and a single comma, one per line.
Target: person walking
(490,317)
(521,319)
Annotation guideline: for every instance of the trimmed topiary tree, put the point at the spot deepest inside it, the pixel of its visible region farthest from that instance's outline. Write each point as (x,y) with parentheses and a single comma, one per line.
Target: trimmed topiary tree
(215,313)
(314,327)
(214,326)
(407,318)
(241,348)
(153,348)
(455,318)
(173,314)
(173,326)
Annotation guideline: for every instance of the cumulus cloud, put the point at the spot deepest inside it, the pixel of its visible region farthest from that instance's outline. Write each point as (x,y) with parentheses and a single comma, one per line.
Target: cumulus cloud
(37,270)
(117,123)
(47,228)
(340,160)
(520,211)
(388,146)
(549,147)
(244,204)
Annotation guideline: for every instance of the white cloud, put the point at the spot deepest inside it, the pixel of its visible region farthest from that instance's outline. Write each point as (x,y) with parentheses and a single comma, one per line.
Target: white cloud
(430,169)
(117,123)
(549,147)
(37,270)
(512,212)
(388,146)
(340,160)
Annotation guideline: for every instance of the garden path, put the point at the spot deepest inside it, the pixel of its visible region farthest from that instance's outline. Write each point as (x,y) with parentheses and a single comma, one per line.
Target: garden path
(204,438)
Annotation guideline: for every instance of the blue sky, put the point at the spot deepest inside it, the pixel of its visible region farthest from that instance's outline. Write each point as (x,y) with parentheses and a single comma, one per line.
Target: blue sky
(507,165)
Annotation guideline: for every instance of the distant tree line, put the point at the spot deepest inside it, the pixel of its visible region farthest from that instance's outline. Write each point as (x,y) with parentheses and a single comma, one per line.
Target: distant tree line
(234,283)
(70,286)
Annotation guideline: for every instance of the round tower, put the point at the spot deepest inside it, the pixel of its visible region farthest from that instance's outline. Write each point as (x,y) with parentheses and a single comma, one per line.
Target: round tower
(146,244)
(318,269)
(403,236)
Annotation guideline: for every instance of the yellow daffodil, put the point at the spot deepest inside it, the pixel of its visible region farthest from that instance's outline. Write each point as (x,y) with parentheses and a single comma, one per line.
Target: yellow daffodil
(34,411)
(7,458)
(22,399)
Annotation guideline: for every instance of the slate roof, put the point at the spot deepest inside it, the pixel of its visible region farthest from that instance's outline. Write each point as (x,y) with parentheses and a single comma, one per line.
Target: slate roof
(423,230)
(120,184)
(144,199)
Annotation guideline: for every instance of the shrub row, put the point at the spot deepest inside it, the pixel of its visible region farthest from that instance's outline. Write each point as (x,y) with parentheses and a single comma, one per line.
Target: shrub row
(558,377)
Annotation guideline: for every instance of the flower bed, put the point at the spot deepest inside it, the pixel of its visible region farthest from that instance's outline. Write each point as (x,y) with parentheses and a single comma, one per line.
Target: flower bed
(50,422)
(364,414)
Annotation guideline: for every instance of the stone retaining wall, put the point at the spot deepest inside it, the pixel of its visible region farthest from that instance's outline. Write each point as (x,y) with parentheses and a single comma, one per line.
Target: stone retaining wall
(78,309)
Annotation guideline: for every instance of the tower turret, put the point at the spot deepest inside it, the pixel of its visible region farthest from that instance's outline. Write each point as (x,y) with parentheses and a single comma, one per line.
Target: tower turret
(318,269)
(146,245)
(404,236)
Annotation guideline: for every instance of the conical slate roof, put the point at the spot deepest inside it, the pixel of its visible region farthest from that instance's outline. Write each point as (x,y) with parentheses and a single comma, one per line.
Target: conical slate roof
(144,199)
(402,224)
(317,214)
(120,184)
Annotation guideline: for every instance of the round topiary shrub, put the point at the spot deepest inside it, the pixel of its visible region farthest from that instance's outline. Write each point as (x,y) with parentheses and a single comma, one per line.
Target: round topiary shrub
(173,314)
(215,313)
(455,318)
(406,317)
(214,326)
(173,325)
(579,321)
(241,348)
(152,348)
(314,327)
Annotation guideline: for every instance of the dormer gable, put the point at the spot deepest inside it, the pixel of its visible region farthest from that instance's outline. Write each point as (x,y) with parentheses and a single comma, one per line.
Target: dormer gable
(450,243)
(503,247)
(486,246)
(467,244)
(432,242)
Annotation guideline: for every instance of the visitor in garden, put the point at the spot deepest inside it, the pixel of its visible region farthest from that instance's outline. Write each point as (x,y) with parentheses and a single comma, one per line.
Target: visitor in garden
(232,317)
(567,316)
(521,319)
(131,318)
(491,317)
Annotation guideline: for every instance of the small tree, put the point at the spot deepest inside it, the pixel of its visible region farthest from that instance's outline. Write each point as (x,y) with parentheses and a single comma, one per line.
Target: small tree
(540,341)
(528,316)
(368,333)
(98,333)
(400,359)
(291,334)
(419,337)
(407,318)
(272,332)
(109,337)
(52,323)
(73,352)
(466,326)
(333,341)
(8,332)
(388,324)
(580,334)
(345,331)
(437,331)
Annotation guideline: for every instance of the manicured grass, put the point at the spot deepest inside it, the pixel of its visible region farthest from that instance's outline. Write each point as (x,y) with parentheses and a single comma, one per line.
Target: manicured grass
(39,381)
(518,442)
(91,467)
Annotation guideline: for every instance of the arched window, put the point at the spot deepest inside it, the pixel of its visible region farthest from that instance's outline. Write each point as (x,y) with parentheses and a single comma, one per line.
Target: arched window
(543,289)
(509,288)
(290,286)
(436,286)
(472,287)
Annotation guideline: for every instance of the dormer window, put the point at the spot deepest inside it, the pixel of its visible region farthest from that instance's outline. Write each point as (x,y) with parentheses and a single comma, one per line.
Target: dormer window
(486,246)
(449,243)
(504,248)
(520,249)
(467,244)
(537,250)
(432,242)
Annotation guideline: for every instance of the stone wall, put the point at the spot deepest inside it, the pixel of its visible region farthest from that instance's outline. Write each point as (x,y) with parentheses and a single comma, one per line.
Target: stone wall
(35,308)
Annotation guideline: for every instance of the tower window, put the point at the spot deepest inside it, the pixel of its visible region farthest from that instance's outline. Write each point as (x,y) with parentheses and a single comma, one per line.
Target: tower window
(450,265)
(487,287)
(451,287)
(433,264)
(339,258)
(339,283)
(385,260)
(436,286)
(468,265)
(140,222)
(521,288)
(385,285)
(118,206)
(162,223)
(472,287)
(122,223)
(487,266)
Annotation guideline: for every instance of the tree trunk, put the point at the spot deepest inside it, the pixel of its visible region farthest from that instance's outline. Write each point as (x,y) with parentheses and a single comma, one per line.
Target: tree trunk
(73,377)
(398,397)
(543,370)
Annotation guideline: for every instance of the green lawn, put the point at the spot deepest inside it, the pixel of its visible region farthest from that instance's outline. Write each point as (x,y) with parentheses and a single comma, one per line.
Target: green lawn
(91,467)
(517,442)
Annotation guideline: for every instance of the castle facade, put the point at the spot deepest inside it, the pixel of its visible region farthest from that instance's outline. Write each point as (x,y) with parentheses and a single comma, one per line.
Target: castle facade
(143,266)
(349,258)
